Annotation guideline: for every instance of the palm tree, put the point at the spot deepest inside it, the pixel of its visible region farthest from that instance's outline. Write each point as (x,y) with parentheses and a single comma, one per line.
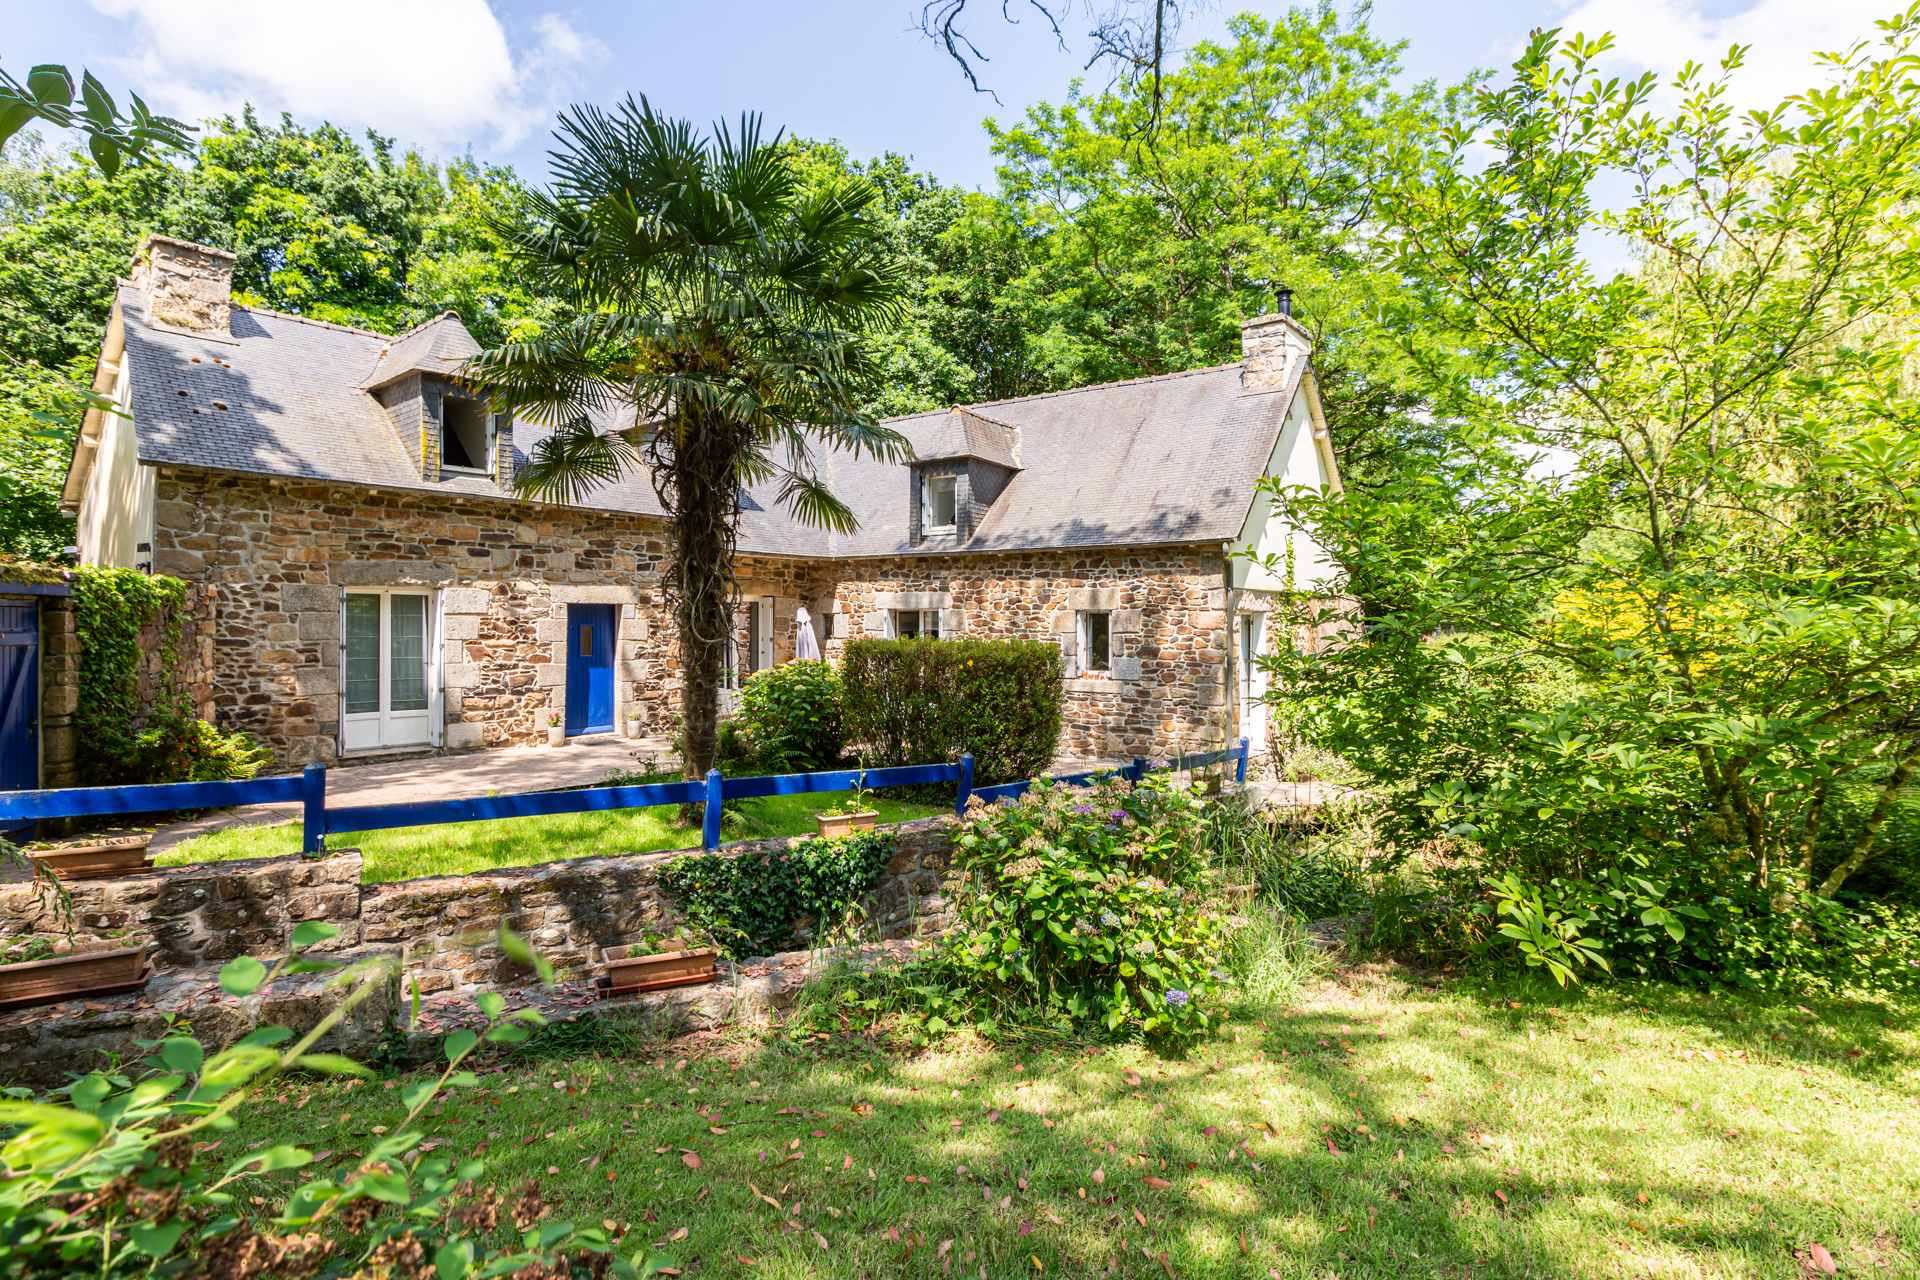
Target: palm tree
(720,307)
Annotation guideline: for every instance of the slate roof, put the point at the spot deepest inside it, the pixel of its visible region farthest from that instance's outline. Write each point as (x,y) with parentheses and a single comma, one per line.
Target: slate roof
(965,433)
(1170,459)
(434,347)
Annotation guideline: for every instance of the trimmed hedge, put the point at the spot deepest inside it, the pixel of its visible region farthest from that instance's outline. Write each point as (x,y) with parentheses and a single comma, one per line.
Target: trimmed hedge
(930,701)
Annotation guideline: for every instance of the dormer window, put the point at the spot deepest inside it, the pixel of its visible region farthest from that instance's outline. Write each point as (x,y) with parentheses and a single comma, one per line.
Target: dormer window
(936,504)
(466,436)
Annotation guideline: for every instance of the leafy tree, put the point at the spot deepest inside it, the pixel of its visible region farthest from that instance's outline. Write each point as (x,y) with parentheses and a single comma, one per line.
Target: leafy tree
(959,339)
(1669,659)
(719,307)
(1149,244)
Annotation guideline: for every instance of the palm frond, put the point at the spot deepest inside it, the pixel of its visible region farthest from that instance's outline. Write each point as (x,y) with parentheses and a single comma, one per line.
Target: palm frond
(573,461)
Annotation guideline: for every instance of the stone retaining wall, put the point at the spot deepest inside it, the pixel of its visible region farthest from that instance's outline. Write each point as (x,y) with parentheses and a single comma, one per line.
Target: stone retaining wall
(444,927)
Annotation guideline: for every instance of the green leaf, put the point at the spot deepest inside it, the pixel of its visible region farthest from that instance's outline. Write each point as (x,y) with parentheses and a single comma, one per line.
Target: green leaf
(413,1095)
(507,1033)
(453,1260)
(413,1018)
(87,1093)
(310,933)
(242,975)
(156,1240)
(389,1188)
(267,1037)
(491,1003)
(459,1044)
(273,1159)
(50,84)
(332,1063)
(105,153)
(517,948)
(182,1054)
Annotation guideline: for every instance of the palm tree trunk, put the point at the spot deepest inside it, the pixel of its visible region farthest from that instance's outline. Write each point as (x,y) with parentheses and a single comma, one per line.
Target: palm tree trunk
(705,490)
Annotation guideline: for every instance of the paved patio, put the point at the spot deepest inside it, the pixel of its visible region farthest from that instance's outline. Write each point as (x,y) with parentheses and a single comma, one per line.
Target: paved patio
(507,771)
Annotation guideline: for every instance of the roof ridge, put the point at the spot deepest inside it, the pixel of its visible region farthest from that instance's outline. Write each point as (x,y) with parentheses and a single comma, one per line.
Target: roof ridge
(322,324)
(429,321)
(1067,391)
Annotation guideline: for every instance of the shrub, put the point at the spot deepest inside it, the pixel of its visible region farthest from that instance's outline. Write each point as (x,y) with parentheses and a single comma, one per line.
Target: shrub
(1097,900)
(931,701)
(792,715)
(113,1173)
(749,905)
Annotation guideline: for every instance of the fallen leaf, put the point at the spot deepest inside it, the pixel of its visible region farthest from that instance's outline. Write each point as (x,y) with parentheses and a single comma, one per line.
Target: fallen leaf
(1141,1217)
(749,1261)
(1158,1184)
(819,1239)
(716,1129)
(1500,1195)
(1051,1218)
(1823,1260)
(691,1160)
(1333,1148)
(814,1133)
(846,1164)
(1209,1131)
(1025,1227)
(1099,1176)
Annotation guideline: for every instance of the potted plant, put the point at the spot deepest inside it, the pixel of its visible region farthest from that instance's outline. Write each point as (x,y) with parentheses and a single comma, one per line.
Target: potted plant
(635,717)
(96,857)
(37,970)
(849,815)
(556,730)
(653,964)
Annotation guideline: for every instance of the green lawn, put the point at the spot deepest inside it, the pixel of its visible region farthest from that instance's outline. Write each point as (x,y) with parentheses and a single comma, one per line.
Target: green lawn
(1372,1129)
(462,847)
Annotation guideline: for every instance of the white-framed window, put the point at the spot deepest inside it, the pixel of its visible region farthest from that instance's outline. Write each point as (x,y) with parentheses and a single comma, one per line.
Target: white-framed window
(1253,680)
(1095,641)
(386,659)
(466,436)
(937,504)
(753,652)
(924,623)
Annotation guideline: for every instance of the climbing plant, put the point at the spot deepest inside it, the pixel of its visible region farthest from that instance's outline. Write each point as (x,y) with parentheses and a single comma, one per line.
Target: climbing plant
(749,905)
(120,742)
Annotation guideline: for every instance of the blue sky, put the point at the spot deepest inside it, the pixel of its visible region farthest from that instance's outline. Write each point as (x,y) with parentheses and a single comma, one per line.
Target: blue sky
(487,75)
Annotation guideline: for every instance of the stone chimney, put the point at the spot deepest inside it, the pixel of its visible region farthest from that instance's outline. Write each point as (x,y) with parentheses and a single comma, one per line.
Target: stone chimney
(187,285)
(1272,350)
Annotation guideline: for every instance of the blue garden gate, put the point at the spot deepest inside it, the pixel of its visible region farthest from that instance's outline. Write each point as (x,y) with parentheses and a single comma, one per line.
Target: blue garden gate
(19,694)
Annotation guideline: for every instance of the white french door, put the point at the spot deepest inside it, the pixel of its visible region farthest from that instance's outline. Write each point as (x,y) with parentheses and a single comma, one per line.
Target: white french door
(385,693)
(1253,680)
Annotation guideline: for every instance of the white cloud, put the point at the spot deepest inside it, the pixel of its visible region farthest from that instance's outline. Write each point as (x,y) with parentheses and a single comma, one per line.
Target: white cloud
(437,72)
(1663,35)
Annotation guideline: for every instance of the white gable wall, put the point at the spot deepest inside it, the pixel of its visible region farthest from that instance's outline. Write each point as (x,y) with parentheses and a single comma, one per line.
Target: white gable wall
(1294,462)
(116,506)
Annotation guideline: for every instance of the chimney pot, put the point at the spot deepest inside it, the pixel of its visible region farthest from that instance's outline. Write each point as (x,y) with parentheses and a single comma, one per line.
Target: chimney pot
(188,286)
(1284,296)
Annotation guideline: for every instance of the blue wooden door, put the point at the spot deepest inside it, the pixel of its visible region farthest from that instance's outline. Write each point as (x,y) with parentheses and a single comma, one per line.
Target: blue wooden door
(19,695)
(589,668)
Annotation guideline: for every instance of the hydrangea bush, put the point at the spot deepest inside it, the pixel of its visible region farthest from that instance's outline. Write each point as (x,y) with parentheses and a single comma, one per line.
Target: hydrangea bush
(1096,900)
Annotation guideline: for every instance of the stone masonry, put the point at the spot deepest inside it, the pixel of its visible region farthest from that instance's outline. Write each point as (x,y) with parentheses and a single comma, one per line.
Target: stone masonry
(1166,691)
(278,557)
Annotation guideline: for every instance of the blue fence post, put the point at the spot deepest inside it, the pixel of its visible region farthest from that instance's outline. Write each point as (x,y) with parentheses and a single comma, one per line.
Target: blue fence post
(710,825)
(966,785)
(313,815)
(1138,773)
(1240,775)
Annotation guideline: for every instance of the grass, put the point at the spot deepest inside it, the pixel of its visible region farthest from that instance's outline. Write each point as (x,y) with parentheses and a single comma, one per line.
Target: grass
(1372,1127)
(463,847)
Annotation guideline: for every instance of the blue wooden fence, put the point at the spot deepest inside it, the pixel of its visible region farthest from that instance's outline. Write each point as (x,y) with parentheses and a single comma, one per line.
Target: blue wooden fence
(318,821)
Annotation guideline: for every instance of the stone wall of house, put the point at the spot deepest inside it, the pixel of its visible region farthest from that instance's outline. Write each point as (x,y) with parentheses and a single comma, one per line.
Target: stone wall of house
(444,927)
(1166,691)
(277,557)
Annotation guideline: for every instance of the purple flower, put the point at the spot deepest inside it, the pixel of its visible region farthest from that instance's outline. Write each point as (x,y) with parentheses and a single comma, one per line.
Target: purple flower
(1176,997)
(1083,808)
(1117,814)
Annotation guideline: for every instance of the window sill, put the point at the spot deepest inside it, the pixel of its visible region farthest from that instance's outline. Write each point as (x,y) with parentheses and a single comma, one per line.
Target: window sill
(466,471)
(1095,684)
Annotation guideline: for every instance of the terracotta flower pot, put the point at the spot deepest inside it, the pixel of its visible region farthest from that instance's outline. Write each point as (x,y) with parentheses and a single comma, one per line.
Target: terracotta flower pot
(99,859)
(840,824)
(90,973)
(684,966)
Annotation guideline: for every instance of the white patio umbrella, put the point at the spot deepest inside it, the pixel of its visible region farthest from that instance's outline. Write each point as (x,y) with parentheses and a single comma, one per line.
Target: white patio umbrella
(805,645)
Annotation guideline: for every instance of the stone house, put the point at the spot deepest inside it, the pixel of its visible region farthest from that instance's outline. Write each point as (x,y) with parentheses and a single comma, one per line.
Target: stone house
(376,586)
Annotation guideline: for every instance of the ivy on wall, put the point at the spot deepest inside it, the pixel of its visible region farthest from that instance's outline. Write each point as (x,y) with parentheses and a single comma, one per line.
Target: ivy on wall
(750,905)
(121,741)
